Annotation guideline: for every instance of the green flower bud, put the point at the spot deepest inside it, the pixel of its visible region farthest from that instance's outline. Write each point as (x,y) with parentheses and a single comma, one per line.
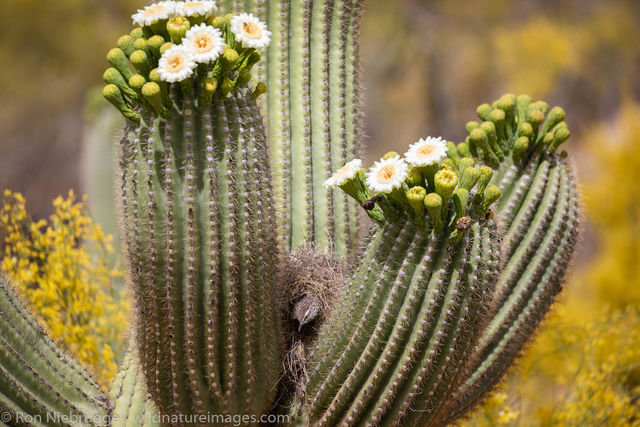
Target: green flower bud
(467,162)
(449,164)
(243,77)
(460,200)
(226,87)
(230,55)
(118,60)
(490,129)
(497,116)
(155,43)
(525,129)
(540,105)
(479,138)
(452,152)
(125,43)
(535,117)
(416,196)
(561,135)
(433,204)
(210,86)
(446,181)
(390,155)
(556,115)
(259,90)
(152,93)
(136,82)
(112,76)
(414,177)
(484,111)
(140,62)
(507,103)
(114,96)
(177,28)
(520,147)
(471,126)
(165,47)
(491,194)
(253,58)
(154,76)
(486,173)
(463,149)
(547,139)
(469,178)
(136,33)
(217,22)
(523,101)
(141,44)
(522,107)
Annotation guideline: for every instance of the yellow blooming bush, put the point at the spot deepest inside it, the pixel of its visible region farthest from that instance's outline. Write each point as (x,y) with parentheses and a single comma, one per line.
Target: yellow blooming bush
(61,268)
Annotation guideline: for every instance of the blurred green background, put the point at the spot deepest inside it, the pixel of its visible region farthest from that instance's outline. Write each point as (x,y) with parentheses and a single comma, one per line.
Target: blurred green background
(426,66)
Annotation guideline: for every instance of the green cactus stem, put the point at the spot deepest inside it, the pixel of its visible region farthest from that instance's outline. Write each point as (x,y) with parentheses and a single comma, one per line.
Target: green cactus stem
(131,406)
(539,209)
(39,383)
(312,108)
(394,348)
(197,212)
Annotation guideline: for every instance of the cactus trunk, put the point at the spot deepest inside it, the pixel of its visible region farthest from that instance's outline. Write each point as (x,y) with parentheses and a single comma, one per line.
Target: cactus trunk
(207,325)
(312,108)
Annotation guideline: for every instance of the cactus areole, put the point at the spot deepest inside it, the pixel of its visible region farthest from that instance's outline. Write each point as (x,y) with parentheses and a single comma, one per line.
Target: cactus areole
(467,247)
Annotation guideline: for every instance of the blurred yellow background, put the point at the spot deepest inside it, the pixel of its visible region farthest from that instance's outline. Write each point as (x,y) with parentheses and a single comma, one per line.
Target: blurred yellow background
(426,66)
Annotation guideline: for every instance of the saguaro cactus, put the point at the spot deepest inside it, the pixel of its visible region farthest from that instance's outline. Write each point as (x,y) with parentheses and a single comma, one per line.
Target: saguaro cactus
(198,211)
(467,248)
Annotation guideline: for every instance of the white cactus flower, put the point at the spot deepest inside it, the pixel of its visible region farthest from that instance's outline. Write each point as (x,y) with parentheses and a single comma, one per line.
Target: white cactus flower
(387,175)
(344,174)
(176,64)
(196,8)
(154,13)
(205,43)
(426,151)
(250,31)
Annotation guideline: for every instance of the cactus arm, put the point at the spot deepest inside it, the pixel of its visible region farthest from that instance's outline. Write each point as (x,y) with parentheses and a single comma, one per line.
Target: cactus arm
(204,258)
(534,289)
(132,406)
(277,110)
(357,291)
(320,150)
(376,370)
(300,216)
(312,110)
(379,332)
(539,209)
(353,124)
(36,378)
